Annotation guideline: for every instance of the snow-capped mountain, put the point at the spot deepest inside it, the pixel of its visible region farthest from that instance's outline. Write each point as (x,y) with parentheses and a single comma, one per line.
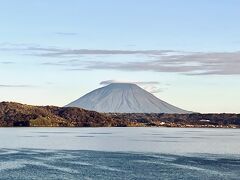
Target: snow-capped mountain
(124,98)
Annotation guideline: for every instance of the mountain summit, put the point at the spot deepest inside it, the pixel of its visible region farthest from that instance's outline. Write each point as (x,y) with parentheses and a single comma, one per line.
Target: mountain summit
(124,98)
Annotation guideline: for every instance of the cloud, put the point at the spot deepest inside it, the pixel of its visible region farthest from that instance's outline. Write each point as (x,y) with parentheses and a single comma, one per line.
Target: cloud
(168,61)
(54,52)
(150,86)
(7,62)
(189,64)
(37,50)
(15,86)
(107,82)
(66,33)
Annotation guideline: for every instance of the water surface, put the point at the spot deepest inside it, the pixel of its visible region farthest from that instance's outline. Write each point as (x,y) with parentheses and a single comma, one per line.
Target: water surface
(119,153)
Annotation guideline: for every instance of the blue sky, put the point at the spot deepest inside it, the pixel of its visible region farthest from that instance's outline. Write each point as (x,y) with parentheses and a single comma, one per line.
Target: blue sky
(52,52)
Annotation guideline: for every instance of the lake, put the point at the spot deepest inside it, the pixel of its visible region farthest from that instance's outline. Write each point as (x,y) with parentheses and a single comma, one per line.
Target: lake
(119,153)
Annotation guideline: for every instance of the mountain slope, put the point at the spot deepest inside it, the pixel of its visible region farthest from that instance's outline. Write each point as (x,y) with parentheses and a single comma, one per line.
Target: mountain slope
(124,98)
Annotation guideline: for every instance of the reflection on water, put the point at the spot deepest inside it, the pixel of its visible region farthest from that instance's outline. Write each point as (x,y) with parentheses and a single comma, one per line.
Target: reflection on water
(119,153)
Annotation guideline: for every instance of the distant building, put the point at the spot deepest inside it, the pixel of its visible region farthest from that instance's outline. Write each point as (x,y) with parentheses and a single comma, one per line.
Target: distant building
(204,120)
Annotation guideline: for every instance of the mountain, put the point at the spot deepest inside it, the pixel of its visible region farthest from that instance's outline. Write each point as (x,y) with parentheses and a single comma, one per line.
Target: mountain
(124,98)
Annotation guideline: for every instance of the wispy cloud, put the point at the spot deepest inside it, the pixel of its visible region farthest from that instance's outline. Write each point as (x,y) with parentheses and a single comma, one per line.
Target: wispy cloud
(150,86)
(107,82)
(54,52)
(190,64)
(7,62)
(66,33)
(170,61)
(217,63)
(16,86)
(59,52)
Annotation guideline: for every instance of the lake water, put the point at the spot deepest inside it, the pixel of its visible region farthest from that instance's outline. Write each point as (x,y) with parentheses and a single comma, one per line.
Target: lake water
(119,153)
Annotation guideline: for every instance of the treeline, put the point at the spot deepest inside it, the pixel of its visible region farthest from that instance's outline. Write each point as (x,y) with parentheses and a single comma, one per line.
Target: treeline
(15,114)
(192,119)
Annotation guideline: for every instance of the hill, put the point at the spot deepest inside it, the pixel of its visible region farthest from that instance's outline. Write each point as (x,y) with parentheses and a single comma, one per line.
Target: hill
(20,115)
(15,114)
